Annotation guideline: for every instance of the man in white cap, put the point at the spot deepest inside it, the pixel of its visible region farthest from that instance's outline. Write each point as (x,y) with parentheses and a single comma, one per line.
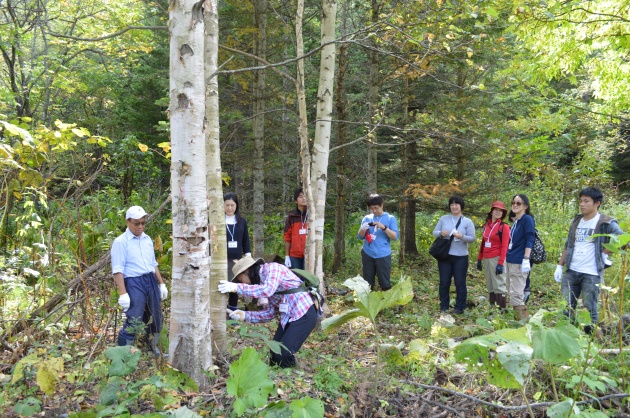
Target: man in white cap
(139,281)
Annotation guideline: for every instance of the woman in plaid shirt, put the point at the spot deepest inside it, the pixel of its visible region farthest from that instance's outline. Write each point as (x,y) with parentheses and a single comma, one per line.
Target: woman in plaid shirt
(298,315)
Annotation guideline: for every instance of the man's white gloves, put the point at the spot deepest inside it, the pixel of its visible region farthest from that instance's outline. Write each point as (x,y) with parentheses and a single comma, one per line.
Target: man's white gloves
(163,291)
(364,226)
(124,302)
(248,254)
(287,261)
(525,266)
(227,287)
(262,302)
(557,275)
(237,315)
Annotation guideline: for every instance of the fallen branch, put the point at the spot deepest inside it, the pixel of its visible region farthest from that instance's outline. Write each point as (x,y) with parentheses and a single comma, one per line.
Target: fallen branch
(514,408)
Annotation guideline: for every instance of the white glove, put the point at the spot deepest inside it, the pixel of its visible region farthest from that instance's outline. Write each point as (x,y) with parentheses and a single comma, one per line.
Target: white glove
(287,261)
(525,266)
(557,275)
(124,301)
(237,315)
(364,226)
(248,254)
(163,292)
(227,287)
(262,302)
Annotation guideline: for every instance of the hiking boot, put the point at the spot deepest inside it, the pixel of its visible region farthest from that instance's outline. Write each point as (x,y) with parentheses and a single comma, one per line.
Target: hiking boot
(493,299)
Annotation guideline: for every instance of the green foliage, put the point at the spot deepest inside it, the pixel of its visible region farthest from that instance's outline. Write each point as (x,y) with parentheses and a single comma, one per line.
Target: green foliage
(369,304)
(124,359)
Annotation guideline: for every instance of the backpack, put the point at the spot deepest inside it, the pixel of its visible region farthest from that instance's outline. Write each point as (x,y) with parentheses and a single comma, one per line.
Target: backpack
(310,284)
(538,254)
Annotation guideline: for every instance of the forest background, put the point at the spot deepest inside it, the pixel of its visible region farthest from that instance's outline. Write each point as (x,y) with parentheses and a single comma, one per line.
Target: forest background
(432,98)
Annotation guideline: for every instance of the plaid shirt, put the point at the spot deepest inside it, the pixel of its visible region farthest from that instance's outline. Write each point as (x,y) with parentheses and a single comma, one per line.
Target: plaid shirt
(274,278)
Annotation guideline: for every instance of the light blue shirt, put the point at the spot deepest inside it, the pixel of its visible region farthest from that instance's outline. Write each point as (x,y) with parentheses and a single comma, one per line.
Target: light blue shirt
(459,247)
(380,247)
(133,256)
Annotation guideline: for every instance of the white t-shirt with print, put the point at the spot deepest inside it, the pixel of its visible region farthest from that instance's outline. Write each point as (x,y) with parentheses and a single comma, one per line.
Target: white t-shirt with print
(583,260)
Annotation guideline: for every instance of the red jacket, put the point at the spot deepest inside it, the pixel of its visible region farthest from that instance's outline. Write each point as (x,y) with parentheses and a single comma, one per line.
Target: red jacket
(498,246)
(294,222)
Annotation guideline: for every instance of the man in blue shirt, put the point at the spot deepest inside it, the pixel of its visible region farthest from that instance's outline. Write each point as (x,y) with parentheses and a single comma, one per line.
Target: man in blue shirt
(377,230)
(138,280)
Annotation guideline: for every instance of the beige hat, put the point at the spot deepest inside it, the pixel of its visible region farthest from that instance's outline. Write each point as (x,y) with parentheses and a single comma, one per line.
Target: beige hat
(135,212)
(245,263)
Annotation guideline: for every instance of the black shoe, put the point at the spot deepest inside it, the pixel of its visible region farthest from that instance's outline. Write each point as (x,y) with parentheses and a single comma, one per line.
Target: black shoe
(458,311)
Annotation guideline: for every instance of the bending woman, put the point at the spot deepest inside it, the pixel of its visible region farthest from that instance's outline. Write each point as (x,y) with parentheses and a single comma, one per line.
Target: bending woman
(298,315)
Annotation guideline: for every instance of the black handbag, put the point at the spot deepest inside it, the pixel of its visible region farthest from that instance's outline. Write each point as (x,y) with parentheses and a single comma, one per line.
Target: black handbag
(440,247)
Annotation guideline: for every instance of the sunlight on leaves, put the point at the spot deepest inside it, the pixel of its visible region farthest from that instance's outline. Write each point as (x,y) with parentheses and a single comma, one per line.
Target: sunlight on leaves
(249,381)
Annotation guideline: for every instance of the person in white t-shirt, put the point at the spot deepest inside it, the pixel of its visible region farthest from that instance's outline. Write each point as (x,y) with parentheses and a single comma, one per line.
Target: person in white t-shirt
(582,255)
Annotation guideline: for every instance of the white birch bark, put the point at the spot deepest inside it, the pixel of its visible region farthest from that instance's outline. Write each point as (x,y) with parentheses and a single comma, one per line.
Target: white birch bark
(216,213)
(321,145)
(190,340)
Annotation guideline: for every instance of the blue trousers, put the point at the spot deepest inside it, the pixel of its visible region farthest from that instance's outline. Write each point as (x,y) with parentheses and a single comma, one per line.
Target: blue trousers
(145,307)
(456,267)
(292,337)
(297,263)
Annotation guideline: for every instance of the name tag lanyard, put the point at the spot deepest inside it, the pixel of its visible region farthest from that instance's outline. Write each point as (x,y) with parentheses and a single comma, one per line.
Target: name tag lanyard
(303,230)
(491,229)
(231,235)
(512,232)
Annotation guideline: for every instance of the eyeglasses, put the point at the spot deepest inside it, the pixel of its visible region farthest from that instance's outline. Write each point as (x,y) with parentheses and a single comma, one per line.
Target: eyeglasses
(517,203)
(138,223)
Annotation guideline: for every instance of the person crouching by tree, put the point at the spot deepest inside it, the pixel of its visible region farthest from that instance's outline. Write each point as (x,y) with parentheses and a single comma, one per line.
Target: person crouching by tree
(298,314)
(295,232)
(377,231)
(494,246)
(139,280)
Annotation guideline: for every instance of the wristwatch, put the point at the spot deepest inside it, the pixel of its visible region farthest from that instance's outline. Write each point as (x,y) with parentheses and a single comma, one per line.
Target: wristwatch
(385,228)
(525,258)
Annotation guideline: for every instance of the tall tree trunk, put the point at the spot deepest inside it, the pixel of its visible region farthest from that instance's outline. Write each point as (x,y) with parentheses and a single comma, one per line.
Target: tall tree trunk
(340,201)
(373,90)
(314,254)
(305,154)
(216,213)
(190,348)
(260,50)
(408,247)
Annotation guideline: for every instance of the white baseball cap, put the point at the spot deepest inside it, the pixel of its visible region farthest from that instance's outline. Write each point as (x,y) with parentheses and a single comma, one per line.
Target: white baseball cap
(135,212)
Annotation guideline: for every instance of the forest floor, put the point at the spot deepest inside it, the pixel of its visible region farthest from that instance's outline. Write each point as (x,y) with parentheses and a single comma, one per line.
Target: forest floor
(340,368)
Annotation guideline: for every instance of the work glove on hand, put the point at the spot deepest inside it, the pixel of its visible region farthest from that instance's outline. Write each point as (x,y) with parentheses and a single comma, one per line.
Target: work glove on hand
(525,266)
(262,302)
(479,265)
(124,301)
(287,261)
(499,270)
(557,275)
(248,254)
(364,226)
(227,287)
(237,315)
(163,292)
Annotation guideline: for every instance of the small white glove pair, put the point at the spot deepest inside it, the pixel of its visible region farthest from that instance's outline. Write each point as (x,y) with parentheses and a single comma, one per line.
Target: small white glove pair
(525,266)
(287,261)
(364,226)
(227,287)
(124,301)
(163,291)
(557,275)
(237,315)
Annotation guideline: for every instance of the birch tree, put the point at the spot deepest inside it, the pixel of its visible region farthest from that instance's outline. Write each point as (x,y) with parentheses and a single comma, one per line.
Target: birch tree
(216,214)
(190,340)
(315,160)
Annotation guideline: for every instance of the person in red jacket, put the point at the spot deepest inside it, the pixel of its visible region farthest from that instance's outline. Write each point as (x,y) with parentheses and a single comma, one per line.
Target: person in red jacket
(494,246)
(295,231)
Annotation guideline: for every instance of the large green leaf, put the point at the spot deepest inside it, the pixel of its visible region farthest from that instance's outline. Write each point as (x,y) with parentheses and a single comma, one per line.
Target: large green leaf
(48,374)
(515,358)
(249,381)
(278,409)
(555,345)
(562,409)
(124,359)
(307,407)
(336,321)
